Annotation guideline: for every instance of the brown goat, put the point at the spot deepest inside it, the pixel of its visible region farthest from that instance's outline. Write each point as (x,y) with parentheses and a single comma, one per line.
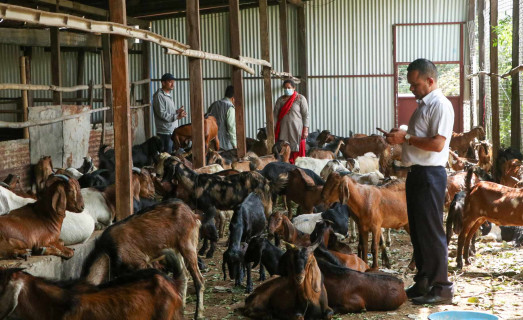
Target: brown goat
(285,152)
(282,228)
(487,201)
(458,163)
(146,294)
(455,184)
(354,147)
(214,157)
(259,146)
(12,183)
(183,134)
(460,142)
(302,190)
(325,154)
(373,207)
(38,225)
(132,243)
(512,173)
(146,184)
(42,170)
(484,155)
(298,294)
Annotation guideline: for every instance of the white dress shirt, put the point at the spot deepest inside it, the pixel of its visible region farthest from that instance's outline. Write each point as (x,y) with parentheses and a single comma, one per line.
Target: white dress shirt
(433,116)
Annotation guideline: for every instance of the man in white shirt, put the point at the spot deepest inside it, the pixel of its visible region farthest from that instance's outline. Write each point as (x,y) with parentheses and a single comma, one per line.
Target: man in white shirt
(426,150)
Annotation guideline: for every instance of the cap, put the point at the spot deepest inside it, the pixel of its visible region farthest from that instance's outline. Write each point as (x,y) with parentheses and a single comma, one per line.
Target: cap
(167,77)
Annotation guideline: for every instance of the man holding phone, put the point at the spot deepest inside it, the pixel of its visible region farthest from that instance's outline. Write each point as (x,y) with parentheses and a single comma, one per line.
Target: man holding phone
(426,151)
(166,115)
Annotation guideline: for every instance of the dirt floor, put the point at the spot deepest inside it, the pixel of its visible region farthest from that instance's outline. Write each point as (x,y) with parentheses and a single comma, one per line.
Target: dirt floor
(493,283)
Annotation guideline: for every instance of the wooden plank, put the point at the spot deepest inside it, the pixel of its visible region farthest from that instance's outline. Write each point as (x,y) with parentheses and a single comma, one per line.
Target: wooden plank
(146,93)
(237,76)
(302,54)
(472,51)
(80,73)
(28,53)
(196,85)
(515,122)
(122,114)
(284,37)
(41,38)
(267,87)
(481,61)
(107,79)
(56,68)
(494,81)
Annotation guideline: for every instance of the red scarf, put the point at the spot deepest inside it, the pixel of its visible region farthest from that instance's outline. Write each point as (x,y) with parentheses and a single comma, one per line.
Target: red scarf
(283,112)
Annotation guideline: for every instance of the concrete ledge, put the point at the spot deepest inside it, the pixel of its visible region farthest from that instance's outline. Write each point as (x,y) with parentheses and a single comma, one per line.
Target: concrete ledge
(53,267)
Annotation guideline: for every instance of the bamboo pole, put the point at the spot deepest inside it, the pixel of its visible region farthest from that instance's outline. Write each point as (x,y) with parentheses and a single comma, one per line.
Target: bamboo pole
(33,123)
(25,103)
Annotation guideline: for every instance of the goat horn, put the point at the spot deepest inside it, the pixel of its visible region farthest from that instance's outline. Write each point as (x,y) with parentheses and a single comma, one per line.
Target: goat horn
(61,176)
(137,170)
(288,245)
(3,184)
(160,258)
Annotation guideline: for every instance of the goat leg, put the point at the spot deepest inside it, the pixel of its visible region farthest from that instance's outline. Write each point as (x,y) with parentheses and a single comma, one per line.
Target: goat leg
(58,249)
(470,234)
(262,272)
(248,266)
(204,247)
(384,256)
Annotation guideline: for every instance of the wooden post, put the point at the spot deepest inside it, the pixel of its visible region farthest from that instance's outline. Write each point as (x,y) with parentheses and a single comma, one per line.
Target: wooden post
(28,53)
(472,52)
(90,93)
(25,103)
(196,85)
(146,93)
(515,122)
(106,77)
(267,87)
(494,81)
(283,35)
(80,73)
(237,75)
(122,113)
(481,61)
(56,68)
(302,54)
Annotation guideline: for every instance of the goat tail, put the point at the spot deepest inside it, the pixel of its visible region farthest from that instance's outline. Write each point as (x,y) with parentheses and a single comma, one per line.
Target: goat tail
(97,267)
(279,183)
(468,180)
(254,163)
(173,262)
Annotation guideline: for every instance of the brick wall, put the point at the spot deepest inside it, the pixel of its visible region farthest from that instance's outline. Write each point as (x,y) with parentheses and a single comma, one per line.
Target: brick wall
(95,139)
(15,159)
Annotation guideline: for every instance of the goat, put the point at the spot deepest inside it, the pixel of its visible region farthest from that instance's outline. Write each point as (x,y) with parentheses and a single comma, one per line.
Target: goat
(42,170)
(258,163)
(316,165)
(338,214)
(487,201)
(259,146)
(302,190)
(512,173)
(38,225)
(457,163)
(298,294)
(455,184)
(366,163)
(325,153)
(99,179)
(461,141)
(183,134)
(261,251)
(11,182)
(87,166)
(282,151)
(353,291)
(484,150)
(282,228)
(248,221)
(132,243)
(144,294)
(214,157)
(354,147)
(334,165)
(11,201)
(373,207)
(209,169)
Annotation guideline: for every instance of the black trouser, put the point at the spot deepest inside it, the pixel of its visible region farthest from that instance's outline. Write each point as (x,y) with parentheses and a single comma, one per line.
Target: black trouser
(166,142)
(425,197)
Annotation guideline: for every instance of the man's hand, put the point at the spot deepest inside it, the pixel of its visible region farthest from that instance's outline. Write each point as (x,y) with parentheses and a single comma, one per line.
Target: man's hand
(181,113)
(396,136)
(305,133)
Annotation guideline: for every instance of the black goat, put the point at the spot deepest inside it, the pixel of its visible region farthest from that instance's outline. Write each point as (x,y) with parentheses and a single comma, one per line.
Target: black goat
(248,221)
(338,214)
(142,154)
(99,179)
(262,251)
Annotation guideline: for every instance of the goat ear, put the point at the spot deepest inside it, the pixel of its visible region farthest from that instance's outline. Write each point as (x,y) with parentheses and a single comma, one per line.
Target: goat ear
(308,180)
(313,276)
(59,201)
(289,246)
(344,192)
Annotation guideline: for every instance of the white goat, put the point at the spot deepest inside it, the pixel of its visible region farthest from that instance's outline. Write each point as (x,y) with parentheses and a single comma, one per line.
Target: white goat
(306,222)
(96,206)
(313,164)
(73,172)
(212,168)
(333,166)
(367,163)
(12,200)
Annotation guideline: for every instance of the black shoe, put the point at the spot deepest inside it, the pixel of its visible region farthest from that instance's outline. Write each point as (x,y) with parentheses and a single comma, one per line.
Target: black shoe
(419,288)
(437,295)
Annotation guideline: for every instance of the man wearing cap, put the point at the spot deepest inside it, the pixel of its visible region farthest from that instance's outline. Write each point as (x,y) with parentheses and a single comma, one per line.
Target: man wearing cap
(165,113)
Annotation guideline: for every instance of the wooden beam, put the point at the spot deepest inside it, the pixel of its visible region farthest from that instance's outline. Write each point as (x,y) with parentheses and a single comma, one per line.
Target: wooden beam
(80,73)
(56,64)
(28,54)
(41,38)
(25,103)
(146,93)
(107,79)
(122,114)
(284,37)
(302,53)
(481,61)
(515,120)
(267,87)
(237,76)
(472,51)
(196,85)
(494,81)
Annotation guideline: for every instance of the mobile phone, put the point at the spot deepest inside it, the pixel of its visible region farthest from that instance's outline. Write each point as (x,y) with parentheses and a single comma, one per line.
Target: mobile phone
(381,130)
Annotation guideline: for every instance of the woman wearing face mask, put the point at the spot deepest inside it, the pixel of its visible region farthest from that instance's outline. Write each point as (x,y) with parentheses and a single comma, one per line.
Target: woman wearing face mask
(291,113)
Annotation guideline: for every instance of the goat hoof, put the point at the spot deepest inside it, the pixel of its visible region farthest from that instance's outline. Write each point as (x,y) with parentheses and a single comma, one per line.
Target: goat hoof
(201,252)
(262,278)
(209,254)
(459,265)
(328,314)
(248,290)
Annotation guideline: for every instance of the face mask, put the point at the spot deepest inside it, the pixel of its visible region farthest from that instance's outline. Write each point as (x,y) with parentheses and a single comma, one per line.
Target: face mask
(289,92)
